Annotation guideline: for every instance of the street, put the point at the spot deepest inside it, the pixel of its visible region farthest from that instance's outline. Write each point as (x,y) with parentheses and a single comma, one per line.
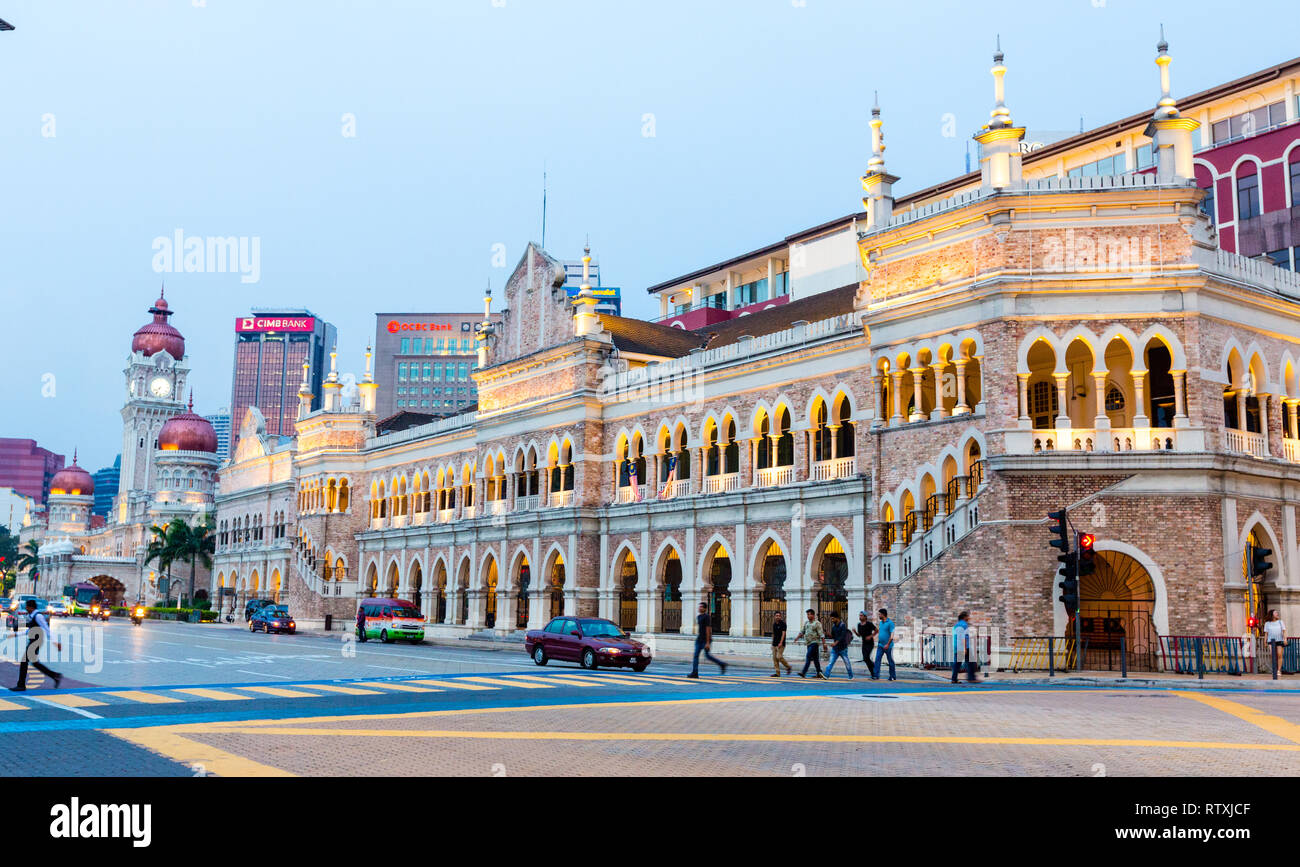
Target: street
(168,699)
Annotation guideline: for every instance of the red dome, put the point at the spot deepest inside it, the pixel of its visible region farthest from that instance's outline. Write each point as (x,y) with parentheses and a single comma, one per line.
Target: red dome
(72,480)
(188,432)
(158,335)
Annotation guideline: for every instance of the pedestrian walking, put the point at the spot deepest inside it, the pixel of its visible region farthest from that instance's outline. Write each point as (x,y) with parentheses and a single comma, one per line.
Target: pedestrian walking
(814,636)
(703,641)
(1275,634)
(361,623)
(961,649)
(778,645)
(841,635)
(886,646)
(38,633)
(867,632)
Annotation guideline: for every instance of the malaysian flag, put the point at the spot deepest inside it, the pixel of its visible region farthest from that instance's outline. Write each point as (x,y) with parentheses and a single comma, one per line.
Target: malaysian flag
(672,477)
(631,477)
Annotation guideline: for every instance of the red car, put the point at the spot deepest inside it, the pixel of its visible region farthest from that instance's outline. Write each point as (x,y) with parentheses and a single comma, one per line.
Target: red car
(588,641)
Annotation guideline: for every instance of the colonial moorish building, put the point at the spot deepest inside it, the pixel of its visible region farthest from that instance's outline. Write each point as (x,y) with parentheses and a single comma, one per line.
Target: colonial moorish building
(1022,346)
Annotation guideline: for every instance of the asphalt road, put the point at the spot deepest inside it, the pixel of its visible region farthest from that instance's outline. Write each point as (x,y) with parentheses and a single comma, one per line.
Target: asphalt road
(169,699)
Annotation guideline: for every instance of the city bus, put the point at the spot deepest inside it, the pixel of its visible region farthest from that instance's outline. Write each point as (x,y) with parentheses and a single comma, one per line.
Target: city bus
(79,598)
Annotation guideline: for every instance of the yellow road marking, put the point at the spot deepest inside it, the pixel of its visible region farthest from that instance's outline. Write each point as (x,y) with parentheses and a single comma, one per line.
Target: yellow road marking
(12,705)
(216,694)
(344,690)
(752,738)
(401,687)
(72,700)
(598,679)
(143,697)
(167,743)
(452,684)
(281,692)
(553,679)
(1269,723)
(503,681)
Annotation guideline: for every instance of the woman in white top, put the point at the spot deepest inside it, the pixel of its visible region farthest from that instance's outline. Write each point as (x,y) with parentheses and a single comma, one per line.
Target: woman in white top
(1275,633)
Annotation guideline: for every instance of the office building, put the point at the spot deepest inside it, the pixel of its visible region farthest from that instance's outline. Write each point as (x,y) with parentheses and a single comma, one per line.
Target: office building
(271,346)
(423,362)
(28,468)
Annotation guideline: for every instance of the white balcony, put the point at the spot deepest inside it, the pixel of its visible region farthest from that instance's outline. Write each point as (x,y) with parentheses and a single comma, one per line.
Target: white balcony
(839,468)
(1245,442)
(721,484)
(446,516)
(1292,450)
(1127,439)
(561,499)
(773,477)
(527,504)
(497,507)
(680,488)
(469,513)
(419,518)
(630,494)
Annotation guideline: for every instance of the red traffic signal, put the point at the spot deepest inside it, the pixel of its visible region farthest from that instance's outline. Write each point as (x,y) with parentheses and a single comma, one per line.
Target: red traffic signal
(1086,541)
(1252,622)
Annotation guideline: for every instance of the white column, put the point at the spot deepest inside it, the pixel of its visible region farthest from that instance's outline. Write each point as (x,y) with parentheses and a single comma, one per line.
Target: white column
(1180,399)
(962,407)
(897,392)
(1139,397)
(939,410)
(918,382)
(1063,421)
(1024,421)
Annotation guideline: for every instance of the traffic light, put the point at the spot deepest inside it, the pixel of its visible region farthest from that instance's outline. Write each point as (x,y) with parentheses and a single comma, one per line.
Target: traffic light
(1259,564)
(1087,556)
(1057,529)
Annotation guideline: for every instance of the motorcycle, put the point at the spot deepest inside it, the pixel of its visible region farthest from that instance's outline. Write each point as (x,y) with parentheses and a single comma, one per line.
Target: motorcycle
(137,615)
(100,611)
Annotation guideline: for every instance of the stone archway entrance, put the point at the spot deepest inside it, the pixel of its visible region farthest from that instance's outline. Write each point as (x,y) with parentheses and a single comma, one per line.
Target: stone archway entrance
(1117,602)
(112,589)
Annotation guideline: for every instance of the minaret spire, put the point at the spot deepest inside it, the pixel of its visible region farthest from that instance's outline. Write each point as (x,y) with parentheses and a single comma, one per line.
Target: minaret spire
(1169,131)
(878,183)
(1001,164)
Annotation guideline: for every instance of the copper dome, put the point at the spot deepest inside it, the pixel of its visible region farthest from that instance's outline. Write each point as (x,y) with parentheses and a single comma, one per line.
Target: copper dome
(158,335)
(73,481)
(188,432)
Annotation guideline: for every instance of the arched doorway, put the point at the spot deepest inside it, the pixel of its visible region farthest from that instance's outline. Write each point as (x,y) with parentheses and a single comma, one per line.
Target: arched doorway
(830,594)
(670,613)
(372,581)
(557,586)
(490,594)
(1117,602)
(462,592)
(417,585)
(275,585)
(719,598)
(772,572)
(440,587)
(393,579)
(523,580)
(112,589)
(627,578)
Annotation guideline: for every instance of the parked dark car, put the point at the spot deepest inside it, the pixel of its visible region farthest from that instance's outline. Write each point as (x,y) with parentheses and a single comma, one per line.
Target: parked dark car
(253,605)
(272,618)
(589,641)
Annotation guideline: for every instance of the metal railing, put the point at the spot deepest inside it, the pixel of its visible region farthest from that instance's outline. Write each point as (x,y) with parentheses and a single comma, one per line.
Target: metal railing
(937,649)
(1198,654)
(629,494)
(1049,653)
(560,499)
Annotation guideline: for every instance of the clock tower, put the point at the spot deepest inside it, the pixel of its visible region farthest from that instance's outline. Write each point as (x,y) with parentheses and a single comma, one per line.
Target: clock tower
(155,380)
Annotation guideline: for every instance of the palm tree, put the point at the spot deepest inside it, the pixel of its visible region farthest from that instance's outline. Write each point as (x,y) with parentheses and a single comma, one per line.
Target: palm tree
(159,549)
(193,544)
(29,557)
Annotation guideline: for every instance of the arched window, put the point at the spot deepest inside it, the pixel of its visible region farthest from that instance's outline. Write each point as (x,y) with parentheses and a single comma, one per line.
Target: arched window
(1044,403)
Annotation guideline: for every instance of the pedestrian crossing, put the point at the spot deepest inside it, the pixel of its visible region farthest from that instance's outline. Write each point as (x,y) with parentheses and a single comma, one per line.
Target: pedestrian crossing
(410,685)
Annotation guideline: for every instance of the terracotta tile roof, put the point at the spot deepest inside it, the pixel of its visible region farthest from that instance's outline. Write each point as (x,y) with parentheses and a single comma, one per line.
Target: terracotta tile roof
(650,338)
(814,308)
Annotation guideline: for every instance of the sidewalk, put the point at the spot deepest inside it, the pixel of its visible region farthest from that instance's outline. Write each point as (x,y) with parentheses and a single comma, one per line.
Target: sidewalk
(1145,679)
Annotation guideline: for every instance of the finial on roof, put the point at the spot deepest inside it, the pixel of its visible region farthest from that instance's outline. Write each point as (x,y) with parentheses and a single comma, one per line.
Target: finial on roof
(997,54)
(1168,106)
(877,162)
(191,405)
(1001,115)
(74,456)
(1162,45)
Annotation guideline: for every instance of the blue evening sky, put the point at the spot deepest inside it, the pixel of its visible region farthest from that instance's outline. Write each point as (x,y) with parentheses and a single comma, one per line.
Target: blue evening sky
(225,117)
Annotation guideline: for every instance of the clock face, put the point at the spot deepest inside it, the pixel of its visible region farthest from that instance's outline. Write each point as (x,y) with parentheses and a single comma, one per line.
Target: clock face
(160,387)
